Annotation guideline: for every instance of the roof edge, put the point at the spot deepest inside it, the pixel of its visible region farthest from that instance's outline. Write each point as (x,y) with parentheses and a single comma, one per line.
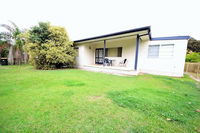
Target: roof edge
(117,33)
(171,38)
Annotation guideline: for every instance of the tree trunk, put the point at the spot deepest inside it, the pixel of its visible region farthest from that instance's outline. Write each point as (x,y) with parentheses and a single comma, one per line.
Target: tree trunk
(25,58)
(20,59)
(10,55)
(16,56)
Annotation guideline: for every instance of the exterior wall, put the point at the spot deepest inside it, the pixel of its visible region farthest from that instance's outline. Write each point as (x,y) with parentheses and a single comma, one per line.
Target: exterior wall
(85,55)
(87,51)
(173,66)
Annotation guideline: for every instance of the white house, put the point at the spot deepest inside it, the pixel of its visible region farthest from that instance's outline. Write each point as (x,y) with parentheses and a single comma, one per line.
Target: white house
(132,52)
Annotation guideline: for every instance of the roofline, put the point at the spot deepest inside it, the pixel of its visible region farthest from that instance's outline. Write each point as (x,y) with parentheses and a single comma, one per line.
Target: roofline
(118,33)
(171,38)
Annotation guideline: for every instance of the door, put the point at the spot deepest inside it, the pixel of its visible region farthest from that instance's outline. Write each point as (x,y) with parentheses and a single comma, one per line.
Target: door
(99,56)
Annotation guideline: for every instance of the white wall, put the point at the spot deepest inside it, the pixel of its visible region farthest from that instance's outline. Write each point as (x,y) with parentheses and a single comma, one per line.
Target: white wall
(172,66)
(85,55)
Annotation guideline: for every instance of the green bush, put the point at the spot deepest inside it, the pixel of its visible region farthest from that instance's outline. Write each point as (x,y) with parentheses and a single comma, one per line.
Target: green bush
(193,57)
(49,47)
(4,52)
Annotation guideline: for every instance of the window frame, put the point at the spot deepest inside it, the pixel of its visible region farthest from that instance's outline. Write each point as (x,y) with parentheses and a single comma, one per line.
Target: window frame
(160,50)
(151,56)
(118,49)
(172,53)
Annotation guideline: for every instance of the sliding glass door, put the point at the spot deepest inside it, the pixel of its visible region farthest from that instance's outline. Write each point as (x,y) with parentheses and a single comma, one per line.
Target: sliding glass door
(99,56)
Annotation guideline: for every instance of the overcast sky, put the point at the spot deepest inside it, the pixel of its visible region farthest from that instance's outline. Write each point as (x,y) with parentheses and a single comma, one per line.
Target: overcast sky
(88,18)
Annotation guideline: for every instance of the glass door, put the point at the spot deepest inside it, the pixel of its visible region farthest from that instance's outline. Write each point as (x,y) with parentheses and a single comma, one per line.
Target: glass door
(99,56)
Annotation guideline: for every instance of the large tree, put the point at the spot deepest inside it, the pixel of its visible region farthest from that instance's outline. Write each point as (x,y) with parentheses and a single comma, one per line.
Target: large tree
(49,47)
(193,51)
(194,45)
(14,40)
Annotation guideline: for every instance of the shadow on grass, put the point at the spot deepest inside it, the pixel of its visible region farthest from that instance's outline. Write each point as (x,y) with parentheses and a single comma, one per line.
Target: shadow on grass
(156,103)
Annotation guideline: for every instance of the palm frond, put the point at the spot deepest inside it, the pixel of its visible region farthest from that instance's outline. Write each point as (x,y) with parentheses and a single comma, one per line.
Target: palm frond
(12,36)
(15,26)
(5,35)
(9,28)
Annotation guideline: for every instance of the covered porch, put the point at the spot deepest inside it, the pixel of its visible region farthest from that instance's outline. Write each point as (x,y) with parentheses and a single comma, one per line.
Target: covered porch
(115,53)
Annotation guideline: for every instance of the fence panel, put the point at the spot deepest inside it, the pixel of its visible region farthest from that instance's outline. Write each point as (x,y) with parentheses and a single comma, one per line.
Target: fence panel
(193,69)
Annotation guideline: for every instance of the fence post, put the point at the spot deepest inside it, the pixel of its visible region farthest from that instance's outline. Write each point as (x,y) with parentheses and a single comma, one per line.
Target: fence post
(187,66)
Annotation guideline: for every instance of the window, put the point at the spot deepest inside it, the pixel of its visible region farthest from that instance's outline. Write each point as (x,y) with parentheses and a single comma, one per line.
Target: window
(153,51)
(162,51)
(114,52)
(167,50)
(119,52)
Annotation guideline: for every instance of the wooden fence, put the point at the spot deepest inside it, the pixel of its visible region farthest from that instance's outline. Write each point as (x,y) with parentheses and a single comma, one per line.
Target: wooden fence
(193,69)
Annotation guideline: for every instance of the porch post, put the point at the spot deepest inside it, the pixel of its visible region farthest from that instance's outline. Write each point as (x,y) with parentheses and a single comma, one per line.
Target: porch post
(137,51)
(104,51)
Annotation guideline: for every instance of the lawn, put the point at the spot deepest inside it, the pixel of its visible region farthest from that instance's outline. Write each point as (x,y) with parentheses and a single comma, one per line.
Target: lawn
(80,101)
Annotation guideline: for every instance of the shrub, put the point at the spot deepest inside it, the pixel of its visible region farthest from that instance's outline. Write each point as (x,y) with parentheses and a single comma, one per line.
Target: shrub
(49,47)
(193,57)
(4,52)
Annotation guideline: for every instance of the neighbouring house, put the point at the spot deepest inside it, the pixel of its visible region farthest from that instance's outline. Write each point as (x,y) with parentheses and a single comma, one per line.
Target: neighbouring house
(132,52)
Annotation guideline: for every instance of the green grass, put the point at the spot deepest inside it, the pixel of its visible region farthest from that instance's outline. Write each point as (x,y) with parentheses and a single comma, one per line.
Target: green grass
(80,101)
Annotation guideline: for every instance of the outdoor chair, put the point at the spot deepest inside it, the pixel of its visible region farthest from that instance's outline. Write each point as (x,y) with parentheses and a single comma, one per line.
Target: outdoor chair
(123,63)
(107,62)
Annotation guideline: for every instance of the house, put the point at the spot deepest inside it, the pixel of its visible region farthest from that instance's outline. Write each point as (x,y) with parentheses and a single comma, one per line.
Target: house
(132,52)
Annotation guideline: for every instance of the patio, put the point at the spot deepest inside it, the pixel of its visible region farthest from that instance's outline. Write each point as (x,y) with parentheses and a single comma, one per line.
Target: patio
(117,70)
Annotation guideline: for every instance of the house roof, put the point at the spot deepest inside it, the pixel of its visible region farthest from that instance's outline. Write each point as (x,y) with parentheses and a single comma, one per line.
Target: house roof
(171,38)
(126,32)
(142,31)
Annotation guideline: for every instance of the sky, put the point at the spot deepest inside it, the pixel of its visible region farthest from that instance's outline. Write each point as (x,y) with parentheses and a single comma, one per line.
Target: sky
(88,18)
